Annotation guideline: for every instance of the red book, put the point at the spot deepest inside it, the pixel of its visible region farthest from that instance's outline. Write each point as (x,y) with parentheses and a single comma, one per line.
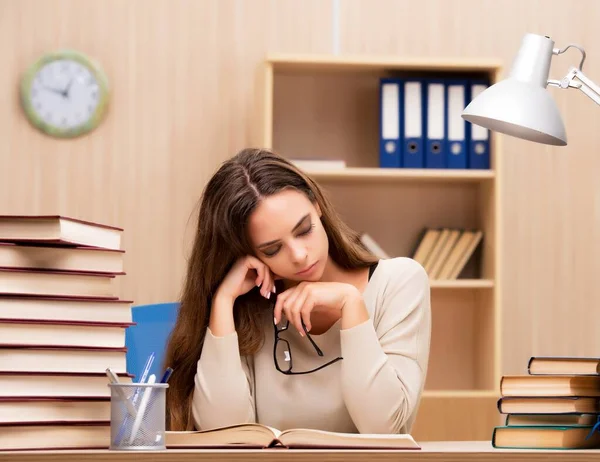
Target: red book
(56,283)
(59,229)
(62,333)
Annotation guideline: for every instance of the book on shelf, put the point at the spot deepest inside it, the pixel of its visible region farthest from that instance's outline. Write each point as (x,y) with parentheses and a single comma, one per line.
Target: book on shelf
(57,384)
(372,246)
(555,405)
(444,252)
(320,165)
(62,324)
(253,435)
(62,333)
(59,229)
(61,258)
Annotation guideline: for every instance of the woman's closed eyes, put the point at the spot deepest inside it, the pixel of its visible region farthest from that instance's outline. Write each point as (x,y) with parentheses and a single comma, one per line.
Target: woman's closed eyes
(302,232)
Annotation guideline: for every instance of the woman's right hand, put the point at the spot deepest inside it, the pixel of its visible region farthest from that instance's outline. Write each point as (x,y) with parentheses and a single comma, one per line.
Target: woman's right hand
(246,273)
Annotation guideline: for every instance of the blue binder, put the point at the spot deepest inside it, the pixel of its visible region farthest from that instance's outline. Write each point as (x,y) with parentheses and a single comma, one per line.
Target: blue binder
(413,123)
(389,122)
(456,151)
(478,137)
(435,113)
(150,335)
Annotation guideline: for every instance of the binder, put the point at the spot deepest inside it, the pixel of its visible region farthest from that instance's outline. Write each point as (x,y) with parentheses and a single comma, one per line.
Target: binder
(456,152)
(435,140)
(389,122)
(412,122)
(479,137)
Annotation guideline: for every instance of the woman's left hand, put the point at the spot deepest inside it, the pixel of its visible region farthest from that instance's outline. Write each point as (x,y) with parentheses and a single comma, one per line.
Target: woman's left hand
(298,302)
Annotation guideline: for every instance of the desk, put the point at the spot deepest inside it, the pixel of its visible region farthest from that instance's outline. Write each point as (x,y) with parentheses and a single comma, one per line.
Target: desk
(455,451)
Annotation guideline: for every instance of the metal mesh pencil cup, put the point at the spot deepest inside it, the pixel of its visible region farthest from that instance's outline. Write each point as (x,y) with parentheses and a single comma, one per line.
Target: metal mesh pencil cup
(137,416)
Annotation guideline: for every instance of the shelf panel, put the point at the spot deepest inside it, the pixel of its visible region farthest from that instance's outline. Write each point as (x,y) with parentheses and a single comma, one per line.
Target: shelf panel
(448,417)
(461,284)
(403,174)
(461,394)
(462,356)
(371,63)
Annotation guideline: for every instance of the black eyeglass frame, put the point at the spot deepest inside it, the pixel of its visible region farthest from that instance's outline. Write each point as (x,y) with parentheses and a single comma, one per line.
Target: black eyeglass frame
(289,371)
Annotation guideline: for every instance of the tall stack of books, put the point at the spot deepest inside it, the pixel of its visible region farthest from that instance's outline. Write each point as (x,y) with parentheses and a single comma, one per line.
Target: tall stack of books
(62,325)
(556,405)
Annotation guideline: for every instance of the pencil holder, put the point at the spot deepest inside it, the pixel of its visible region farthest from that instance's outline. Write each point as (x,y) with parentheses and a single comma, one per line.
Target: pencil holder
(137,416)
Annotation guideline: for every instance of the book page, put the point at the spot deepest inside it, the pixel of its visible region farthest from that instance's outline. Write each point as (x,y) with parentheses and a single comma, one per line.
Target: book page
(308,438)
(244,435)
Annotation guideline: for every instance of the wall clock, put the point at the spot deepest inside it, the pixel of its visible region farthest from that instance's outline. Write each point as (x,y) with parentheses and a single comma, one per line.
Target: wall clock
(64,94)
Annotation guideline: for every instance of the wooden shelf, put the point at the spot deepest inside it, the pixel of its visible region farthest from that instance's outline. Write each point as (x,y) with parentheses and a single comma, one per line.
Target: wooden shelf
(313,62)
(461,394)
(461,284)
(401,174)
(327,107)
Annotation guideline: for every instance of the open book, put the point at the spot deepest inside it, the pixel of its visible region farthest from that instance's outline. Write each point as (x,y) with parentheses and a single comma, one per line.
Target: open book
(254,435)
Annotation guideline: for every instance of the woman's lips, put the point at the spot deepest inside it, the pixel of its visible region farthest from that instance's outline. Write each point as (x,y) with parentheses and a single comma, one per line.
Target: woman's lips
(307,270)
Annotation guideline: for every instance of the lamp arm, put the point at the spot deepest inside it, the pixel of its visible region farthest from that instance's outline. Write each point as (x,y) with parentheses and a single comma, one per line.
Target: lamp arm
(575,78)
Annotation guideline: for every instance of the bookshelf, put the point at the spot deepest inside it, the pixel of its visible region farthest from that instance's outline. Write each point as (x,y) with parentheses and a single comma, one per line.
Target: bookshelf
(319,106)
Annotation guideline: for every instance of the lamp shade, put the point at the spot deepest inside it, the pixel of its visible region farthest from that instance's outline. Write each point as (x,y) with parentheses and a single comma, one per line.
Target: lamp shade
(521,106)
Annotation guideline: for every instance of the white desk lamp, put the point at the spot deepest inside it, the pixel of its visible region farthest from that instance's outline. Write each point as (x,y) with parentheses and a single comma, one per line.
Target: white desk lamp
(520,106)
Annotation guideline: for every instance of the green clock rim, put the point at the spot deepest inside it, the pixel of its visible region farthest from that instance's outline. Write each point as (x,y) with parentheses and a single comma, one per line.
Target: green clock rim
(97,72)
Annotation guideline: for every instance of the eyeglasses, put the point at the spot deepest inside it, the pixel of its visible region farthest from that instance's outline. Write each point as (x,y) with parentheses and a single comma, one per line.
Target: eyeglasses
(282,353)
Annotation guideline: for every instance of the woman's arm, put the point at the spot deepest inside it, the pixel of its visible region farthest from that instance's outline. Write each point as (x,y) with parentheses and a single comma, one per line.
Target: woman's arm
(223,385)
(384,368)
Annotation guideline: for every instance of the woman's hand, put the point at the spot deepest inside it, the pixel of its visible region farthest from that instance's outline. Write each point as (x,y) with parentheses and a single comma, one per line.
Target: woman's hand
(298,302)
(246,273)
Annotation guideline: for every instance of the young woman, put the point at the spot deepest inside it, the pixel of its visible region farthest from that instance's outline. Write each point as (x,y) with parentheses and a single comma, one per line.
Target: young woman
(286,319)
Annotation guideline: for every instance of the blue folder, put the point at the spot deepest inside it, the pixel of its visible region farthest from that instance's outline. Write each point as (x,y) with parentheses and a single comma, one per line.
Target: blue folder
(435,114)
(456,126)
(150,334)
(479,137)
(413,123)
(389,123)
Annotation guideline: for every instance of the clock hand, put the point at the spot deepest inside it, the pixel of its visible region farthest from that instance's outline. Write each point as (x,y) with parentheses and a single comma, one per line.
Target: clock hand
(53,90)
(67,89)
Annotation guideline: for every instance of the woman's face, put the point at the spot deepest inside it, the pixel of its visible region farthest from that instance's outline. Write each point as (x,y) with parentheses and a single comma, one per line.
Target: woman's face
(288,236)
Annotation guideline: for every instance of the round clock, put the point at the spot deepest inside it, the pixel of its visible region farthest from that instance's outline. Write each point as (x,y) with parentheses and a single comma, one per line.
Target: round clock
(64,94)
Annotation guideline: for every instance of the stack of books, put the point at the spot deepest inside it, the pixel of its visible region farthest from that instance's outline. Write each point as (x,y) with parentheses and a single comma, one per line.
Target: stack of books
(556,405)
(62,325)
(444,252)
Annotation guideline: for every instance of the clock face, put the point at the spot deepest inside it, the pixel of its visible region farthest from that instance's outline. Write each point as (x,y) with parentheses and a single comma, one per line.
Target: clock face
(64,95)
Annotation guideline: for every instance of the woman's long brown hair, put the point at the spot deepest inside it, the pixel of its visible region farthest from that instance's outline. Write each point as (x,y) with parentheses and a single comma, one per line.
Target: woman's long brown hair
(228,199)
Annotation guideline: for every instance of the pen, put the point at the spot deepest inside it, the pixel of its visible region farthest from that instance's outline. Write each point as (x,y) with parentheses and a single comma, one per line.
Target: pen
(145,373)
(112,376)
(142,410)
(166,375)
(114,379)
(136,394)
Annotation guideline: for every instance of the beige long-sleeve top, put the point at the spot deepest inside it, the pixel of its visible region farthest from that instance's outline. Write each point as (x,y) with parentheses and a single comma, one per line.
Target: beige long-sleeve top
(376,388)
